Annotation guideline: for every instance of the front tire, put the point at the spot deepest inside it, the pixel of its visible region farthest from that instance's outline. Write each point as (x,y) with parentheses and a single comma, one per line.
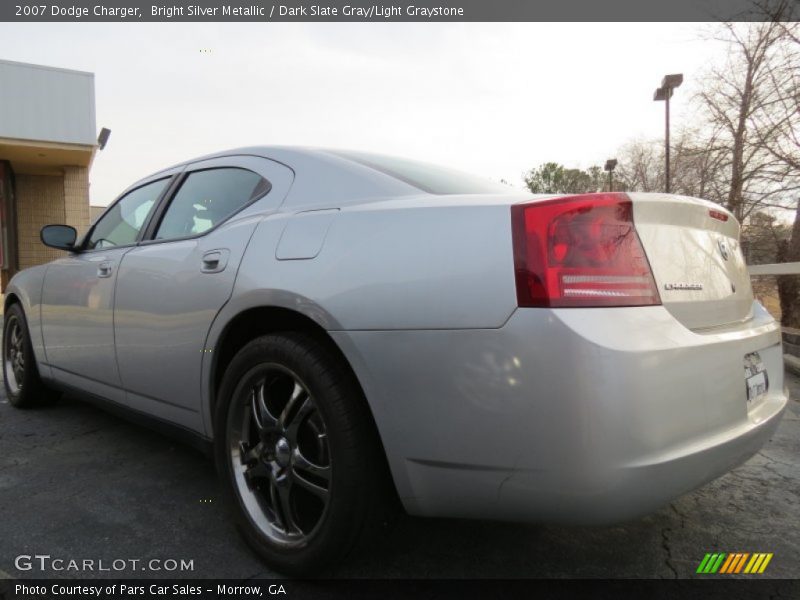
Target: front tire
(298,452)
(24,387)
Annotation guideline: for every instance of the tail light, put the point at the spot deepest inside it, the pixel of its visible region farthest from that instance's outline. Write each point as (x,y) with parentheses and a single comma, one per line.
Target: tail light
(580,251)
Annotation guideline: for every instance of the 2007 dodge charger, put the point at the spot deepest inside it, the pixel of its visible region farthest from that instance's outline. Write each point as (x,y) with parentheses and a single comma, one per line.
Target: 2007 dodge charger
(349,329)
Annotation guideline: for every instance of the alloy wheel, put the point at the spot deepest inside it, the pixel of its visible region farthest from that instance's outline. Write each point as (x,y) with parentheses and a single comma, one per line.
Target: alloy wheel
(280,455)
(14,355)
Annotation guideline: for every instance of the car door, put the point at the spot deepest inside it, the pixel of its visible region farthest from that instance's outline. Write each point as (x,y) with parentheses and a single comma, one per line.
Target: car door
(170,287)
(78,295)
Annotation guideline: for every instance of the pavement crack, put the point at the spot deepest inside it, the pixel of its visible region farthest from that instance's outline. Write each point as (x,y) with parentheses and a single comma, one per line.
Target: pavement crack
(668,550)
(774,460)
(679,513)
(91,431)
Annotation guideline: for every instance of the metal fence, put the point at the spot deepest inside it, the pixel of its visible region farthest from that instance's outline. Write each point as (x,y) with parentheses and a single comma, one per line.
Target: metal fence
(765,283)
(791,337)
(792,268)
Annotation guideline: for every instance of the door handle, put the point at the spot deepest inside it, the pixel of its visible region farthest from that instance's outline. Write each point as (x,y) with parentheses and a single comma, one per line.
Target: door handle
(105,269)
(215,261)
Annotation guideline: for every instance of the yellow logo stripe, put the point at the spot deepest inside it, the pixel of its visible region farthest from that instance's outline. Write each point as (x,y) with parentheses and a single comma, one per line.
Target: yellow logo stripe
(752,566)
(752,563)
(765,563)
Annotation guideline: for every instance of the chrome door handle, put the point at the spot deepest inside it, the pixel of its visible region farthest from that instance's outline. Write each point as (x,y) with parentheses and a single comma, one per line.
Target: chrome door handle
(105,269)
(215,261)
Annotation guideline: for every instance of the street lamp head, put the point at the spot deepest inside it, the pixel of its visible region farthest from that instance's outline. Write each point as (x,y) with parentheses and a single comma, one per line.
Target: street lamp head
(611,164)
(669,83)
(102,139)
(672,81)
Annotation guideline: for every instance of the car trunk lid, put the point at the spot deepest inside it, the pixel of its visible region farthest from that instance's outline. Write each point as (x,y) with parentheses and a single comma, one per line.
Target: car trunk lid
(694,252)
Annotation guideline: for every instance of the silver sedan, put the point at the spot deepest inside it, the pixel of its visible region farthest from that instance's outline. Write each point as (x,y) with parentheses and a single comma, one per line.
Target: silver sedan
(349,333)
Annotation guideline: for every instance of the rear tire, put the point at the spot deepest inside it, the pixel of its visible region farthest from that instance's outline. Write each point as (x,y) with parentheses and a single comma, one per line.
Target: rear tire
(24,387)
(300,459)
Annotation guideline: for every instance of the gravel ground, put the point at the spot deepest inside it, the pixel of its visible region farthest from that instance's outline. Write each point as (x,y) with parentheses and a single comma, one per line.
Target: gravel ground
(76,482)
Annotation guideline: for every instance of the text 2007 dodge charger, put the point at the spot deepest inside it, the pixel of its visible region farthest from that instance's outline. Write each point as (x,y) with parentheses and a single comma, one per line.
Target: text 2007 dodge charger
(349,329)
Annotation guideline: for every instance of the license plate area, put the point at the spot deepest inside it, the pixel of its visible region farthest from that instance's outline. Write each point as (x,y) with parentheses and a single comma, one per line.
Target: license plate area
(756,379)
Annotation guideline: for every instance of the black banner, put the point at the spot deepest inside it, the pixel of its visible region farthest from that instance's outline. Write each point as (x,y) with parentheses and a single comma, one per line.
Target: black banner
(408,10)
(487,589)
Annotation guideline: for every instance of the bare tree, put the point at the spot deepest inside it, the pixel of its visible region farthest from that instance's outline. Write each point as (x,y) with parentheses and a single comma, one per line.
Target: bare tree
(777,130)
(744,101)
(640,166)
(762,237)
(697,166)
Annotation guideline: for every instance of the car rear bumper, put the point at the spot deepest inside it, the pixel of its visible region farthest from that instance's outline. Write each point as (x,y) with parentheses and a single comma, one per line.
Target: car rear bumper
(574,415)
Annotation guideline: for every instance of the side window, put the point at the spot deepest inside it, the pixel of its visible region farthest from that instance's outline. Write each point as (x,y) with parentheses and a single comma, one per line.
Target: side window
(207,198)
(120,225)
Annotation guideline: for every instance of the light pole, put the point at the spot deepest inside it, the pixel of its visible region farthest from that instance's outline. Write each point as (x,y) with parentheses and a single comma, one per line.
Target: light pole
(611,164)
(669,83)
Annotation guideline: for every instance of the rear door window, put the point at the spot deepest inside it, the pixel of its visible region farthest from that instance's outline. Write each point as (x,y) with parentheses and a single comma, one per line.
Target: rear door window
(207,198)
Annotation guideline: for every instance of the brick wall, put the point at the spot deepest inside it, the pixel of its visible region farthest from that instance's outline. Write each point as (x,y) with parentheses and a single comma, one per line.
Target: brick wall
(76,198)
(44,199)
(40,201)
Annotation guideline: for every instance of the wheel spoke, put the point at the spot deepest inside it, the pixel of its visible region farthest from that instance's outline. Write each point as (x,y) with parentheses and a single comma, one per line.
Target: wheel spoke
(292,416)
(302,465)
(254,410)
(265,422)
(304,483)
(284,487)
(267,418)
(276,504)
(302,468)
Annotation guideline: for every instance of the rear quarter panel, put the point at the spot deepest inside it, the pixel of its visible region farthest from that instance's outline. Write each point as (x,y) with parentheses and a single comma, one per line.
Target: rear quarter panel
(396,265)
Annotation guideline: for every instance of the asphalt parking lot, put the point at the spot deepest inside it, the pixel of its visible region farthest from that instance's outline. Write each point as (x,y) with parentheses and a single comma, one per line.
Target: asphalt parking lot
(78,483)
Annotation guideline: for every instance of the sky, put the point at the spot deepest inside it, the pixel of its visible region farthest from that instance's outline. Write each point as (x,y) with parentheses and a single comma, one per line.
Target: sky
(491,98)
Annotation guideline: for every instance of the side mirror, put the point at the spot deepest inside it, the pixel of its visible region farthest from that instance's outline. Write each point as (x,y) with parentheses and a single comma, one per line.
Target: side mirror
(61,237)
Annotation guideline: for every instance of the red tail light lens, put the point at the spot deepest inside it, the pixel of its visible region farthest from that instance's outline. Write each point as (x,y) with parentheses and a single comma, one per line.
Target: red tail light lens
(580,251)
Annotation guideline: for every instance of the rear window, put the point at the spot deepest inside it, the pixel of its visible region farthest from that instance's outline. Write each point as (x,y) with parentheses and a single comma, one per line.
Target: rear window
(428,178)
